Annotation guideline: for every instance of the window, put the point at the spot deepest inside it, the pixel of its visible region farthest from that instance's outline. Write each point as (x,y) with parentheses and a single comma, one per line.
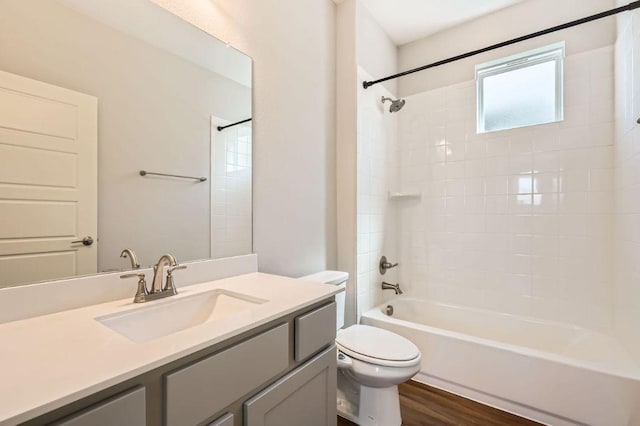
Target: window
(521,90)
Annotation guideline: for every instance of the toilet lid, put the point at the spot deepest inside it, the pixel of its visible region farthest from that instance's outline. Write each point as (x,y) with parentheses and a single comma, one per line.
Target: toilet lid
(373,342)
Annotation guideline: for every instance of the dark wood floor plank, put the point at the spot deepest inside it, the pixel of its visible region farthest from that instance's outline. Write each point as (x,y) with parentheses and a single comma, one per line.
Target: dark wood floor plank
(423,405)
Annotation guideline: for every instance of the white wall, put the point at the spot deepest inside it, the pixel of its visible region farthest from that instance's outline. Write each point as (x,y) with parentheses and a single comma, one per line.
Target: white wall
(377,56)
(231,217)
(132,81)
(346,149)
(292,43)
(515,21)
(366,155)
(518,221)
(627,182)
(521,220)
(376,53)
(377,176)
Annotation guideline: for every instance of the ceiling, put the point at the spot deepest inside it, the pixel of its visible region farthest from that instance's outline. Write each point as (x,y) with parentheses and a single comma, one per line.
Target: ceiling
(160,28)
(408,20)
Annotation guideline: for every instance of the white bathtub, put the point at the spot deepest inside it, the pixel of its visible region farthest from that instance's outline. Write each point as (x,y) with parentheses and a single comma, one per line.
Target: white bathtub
(554,373)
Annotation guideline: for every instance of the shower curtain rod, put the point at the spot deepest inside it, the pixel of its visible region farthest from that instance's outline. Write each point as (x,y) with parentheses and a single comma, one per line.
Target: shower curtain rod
(221,128)
(628,7)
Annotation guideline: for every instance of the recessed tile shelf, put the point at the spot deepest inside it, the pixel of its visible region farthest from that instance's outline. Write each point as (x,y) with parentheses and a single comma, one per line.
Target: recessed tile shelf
(405,195)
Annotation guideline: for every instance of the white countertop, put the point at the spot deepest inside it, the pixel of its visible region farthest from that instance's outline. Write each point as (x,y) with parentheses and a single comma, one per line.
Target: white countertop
(52,360)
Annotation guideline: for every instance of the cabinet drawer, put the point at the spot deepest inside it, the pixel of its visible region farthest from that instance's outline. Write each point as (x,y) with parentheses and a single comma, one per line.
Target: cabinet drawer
(124,410)
(306,396)
(315,330)
(198,391)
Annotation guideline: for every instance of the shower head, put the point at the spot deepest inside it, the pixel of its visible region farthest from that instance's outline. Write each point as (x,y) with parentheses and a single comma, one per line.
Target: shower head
(396,105)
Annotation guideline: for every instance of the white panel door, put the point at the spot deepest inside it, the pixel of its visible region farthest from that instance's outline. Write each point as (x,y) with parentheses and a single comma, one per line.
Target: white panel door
(48,181)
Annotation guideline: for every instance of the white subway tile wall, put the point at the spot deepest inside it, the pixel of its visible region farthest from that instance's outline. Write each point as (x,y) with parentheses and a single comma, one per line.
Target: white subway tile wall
(627,182)
(520,221)
(231,192)
(377,174)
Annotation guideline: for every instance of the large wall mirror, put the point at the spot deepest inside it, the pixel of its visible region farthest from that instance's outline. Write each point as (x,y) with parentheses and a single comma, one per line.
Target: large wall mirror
(93,92)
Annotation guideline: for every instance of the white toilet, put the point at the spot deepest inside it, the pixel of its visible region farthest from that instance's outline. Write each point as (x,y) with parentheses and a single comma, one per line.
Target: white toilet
(371,364)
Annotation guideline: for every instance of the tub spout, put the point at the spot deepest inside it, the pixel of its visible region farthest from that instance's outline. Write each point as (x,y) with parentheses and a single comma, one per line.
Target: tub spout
(394,287)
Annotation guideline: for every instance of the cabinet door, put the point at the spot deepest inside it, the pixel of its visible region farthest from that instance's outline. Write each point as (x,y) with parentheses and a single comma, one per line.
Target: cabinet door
(197,392)
(226,420)
(123,410)
(306,396)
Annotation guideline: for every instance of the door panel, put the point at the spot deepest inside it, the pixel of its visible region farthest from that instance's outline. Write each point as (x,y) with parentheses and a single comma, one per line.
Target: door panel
(39,266)
(53,168)
(33,219)
(48,181)
(30,112)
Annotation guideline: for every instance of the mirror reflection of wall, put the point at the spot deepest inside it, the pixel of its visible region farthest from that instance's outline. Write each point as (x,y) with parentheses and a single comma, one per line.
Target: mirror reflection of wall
(231,189)
(158,82)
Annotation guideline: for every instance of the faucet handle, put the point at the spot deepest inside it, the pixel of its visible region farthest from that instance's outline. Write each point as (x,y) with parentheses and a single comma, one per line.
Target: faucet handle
(384,265)
(170,285)
(142,292)
(176,268)
(132,275)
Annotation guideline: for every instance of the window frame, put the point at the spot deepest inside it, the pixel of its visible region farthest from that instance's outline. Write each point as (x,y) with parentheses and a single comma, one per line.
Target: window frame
(554,52)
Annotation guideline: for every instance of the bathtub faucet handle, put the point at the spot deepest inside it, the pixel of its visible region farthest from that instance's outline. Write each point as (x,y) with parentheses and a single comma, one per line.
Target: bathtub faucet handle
(394,287)
(384,265)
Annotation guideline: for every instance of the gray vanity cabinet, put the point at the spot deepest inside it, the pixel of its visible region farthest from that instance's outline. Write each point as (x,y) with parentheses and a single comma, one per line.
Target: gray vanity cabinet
(282,373)
(305,396)
(225,420)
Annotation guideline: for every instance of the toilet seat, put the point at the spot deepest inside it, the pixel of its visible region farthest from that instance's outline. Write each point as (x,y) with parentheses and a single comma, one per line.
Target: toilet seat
(377,346)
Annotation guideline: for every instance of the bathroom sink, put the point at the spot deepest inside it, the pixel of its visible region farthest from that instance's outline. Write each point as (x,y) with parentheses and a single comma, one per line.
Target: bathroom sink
(159,319)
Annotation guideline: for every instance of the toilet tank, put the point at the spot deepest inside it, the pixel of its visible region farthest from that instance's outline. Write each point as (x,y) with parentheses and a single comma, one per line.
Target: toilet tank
(338,278)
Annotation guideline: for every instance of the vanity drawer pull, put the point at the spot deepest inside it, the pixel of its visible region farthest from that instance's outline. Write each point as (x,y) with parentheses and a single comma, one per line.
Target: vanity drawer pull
(315,330)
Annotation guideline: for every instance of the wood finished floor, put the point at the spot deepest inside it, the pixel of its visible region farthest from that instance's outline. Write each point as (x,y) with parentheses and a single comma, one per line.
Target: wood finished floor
(423,405)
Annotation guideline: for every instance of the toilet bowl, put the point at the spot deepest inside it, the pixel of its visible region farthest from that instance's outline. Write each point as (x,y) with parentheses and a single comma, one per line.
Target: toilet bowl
(372,362)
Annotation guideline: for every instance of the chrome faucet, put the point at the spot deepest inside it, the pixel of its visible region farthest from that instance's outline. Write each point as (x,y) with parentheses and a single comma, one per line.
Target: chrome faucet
(394,287)
(157,291)
(132,257)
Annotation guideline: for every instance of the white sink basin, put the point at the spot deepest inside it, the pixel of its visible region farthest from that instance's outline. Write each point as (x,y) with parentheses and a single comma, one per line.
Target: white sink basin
(161,318)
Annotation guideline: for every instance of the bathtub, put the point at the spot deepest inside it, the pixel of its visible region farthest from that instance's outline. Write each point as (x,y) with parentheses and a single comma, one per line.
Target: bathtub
(554,373)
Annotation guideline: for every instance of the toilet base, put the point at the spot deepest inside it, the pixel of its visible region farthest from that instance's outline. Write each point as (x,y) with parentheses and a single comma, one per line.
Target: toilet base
(367,406)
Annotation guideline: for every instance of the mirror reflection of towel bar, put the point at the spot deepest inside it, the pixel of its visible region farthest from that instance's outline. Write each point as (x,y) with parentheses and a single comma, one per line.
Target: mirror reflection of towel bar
(144,173)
